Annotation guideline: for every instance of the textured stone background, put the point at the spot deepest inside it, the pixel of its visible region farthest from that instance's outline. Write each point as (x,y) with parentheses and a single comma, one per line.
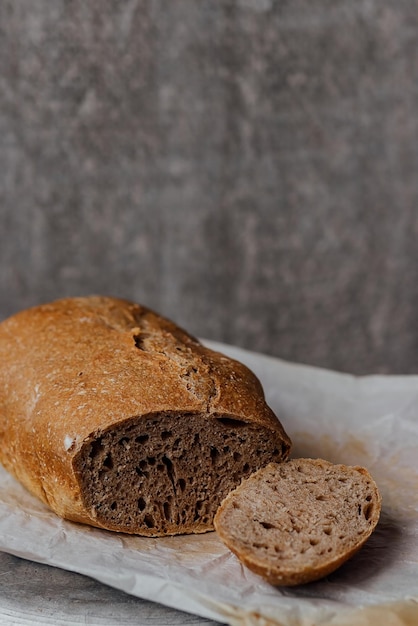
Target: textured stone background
(248,168)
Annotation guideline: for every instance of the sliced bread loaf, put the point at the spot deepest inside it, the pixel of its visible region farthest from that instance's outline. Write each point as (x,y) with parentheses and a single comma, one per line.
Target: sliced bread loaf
(298,521)
(116,417)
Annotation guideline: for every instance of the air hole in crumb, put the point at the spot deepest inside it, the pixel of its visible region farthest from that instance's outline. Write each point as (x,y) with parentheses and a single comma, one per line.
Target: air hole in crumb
(237,456)
(182,484)
(313,542)
(149,521)
(214,453)
(141,504)
(140,470)
(95,448)
(368,511)
(168,463)
(231,423)
(359,509)
(321,498)
(260,545)
(142,439)
(113,506)
(108,462)
(368,498)
(197,510)
(226,449)
(151,460)
(246,467)
(166,434)
(267,525)
(327,531)
(167,511)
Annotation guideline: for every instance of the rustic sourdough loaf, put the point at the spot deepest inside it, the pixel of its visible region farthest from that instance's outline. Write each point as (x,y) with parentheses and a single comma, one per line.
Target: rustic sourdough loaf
(117,418)
(298,521)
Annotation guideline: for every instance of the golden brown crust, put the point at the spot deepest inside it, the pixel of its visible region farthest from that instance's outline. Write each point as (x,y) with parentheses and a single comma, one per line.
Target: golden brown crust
(79,366)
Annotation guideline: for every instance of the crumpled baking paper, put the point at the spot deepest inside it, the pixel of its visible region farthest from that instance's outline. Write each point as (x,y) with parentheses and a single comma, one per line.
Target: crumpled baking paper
(370,421)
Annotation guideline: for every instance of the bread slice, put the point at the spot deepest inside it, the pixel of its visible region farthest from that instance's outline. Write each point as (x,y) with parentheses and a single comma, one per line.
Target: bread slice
(116,417)
(298,521)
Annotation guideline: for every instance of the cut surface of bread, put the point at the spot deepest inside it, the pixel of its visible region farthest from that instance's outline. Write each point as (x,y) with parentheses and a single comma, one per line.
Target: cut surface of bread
(167,473)
(298,521)
(116,417)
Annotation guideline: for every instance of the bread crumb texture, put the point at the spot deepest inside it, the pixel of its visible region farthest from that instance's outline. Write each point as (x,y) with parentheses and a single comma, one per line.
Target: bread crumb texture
(298,521)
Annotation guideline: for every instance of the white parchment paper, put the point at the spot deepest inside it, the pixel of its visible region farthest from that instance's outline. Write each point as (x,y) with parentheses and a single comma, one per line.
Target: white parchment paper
(372,421)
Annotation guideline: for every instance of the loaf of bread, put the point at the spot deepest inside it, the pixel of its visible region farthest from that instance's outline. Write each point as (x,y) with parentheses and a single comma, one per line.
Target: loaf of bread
(117,418)
(298,521)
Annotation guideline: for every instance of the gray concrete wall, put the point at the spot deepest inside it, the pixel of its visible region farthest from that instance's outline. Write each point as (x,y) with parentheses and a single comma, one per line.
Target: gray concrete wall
(248,168)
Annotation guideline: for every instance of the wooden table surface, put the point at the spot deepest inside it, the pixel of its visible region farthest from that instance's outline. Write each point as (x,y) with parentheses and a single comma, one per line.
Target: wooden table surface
(31,593)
